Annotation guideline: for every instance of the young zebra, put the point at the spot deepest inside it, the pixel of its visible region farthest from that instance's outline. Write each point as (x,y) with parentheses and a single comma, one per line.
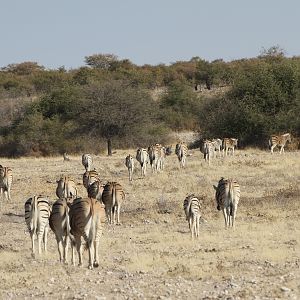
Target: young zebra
(37,212)
(161,158)
(181,151)
(129,162)
(227,197)
(280,141)
(217,145)
(229,143)
(191,206)
(66,188)
(60,224)
(6,178)
(142,157)
(87,161)
(208,150)
(112,197)
(85,221)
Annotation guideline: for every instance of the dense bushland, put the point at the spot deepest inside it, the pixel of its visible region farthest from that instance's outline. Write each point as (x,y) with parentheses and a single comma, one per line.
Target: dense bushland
(109,103)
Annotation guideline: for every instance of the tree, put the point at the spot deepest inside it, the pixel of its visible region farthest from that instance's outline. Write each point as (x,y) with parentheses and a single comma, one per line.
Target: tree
(116,110)
(101,61)
(24,68)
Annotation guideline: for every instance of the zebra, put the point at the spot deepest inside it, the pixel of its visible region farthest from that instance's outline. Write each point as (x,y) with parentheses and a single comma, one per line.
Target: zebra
(181,150)
(66,188)
(208,150)
(153,157)
(191,206)
(169,150)
(95,190)
(227,197)
(157,154)
(112,197)
(60,224)
(129,162)
(229,143)
(37,212)
(279,140)
(142,157)
(217,143)
(85,221)
(6,179)
(66,157)
(89,177)
(87,161)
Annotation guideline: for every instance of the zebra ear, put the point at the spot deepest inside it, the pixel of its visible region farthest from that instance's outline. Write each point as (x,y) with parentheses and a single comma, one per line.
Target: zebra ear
(215,187)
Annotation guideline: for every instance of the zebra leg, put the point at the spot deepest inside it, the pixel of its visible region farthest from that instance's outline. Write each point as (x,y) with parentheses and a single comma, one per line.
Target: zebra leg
(79,249)
(118,214)
(39,240)
(272,148)
(60,246)
(66,246)
(32,243)
(96,254)
(91,254)
(281,149)
(45,238)
(8,193)
(225,216)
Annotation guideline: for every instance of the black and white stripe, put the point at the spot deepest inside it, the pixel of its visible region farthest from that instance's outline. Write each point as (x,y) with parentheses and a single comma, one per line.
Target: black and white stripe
(229,143)
(181,151)
(37,212)
(280,141)
(60,224)
(113,196)
(6,179)
(87,161)
(192,206)
(142,157)
(66,188)
(227,198)
(129,162)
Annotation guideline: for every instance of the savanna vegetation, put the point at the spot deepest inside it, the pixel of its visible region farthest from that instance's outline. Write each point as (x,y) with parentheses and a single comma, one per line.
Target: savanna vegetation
(115,103)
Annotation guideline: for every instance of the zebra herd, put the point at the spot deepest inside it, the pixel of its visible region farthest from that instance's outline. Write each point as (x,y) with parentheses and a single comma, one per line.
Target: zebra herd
(73,218)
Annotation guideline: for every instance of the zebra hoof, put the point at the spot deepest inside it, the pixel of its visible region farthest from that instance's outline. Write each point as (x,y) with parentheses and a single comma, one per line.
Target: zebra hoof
(96,264)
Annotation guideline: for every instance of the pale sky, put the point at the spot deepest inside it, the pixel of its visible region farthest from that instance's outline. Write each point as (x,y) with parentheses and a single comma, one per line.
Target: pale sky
(57,33)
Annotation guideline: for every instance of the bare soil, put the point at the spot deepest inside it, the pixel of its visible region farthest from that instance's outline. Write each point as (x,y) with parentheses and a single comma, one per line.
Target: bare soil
(151,255)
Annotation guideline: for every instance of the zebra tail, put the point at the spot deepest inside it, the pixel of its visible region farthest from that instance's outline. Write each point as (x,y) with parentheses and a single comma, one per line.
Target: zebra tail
(231,196)
(34,214)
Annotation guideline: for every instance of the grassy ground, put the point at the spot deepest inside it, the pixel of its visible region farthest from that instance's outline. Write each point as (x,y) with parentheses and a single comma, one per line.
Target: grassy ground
(151,255)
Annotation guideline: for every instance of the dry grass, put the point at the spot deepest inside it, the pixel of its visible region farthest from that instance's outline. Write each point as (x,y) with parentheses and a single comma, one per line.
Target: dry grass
(152,255)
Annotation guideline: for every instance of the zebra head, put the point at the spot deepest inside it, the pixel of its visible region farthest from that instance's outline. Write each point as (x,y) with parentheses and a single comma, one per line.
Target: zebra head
(169,150)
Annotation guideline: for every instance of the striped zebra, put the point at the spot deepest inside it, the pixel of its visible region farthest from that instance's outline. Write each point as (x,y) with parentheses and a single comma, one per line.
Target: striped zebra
(227,197)
(66,188)
(112,197)
(129,163)
(191,206)
(157,154)
(280,141)
(6,178)
(229,143)
(89,177)
(217,145)
(181,151)
(59,222)
(37,212)
(142,157)
(85,222)
(208,150)
(87,161)
(95,190)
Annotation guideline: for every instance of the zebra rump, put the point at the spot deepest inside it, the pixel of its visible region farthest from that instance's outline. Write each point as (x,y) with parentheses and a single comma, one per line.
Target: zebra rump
(37,213)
